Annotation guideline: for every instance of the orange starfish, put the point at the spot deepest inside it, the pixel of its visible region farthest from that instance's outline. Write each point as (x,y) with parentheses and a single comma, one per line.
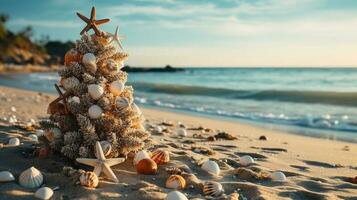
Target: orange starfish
(92,23)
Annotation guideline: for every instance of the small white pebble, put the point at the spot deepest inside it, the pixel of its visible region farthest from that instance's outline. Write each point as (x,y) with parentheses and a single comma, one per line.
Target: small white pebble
(13,109)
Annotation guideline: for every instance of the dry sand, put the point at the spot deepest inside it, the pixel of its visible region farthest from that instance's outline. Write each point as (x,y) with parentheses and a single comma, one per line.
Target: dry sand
(315,168)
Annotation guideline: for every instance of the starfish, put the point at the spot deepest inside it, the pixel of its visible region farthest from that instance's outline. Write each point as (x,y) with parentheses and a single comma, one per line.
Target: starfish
(92,23)
(101,163)
(116,37)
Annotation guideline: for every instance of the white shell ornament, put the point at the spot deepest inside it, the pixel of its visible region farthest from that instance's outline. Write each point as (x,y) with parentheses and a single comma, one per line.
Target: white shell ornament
(95,112)
(246,160)
(211,167)
(6,176)
(89,61)
(182,132)
(140,155)
(70,83)
(14,142)
(176,195)
(121,103)
(31,178)
(44,193)
(212,188)
(33,137)
(106,147)
(95,91)
(116,88)
(278,176)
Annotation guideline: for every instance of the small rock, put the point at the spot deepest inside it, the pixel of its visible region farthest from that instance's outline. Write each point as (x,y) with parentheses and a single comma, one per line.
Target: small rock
(263,137)
(211,139)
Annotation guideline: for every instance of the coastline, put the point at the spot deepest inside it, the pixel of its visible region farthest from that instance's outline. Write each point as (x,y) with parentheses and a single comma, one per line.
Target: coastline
(314,166)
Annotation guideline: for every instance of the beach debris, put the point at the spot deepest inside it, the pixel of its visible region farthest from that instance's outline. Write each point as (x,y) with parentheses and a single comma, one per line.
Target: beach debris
(95,91)
(278,176)
(140,155)
(72,56)
(250,175)
(12,119)
(173,170)
(31,178)
(176,195)
(346,148)
(44,193)
(211,138)
(212,189)
(225,136)
(53,133)
(42,152)
(263,137)
(176,182)
(167,123)
(160,156)
(200,128)
(202,150)
(354,180)
(14,142)
(181,125)
(33,137)
(94,112)
(6,176)
(101,163)
(106,146)
(89,179)
(181,132)
(211,167)
(90,62)
(246,160)
(146,166)
(116,88)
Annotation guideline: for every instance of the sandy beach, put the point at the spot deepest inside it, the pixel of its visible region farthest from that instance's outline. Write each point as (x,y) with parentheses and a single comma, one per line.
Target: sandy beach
(315,168)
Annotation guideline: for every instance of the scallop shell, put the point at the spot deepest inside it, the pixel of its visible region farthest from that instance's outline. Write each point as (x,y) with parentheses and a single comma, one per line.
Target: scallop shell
(89,179)
(182,132)
(212,188)
(106,147)
(33,137)
(95,112)
(136,109)
(161,157)
(140,155)
(53,133)
(110,67)
(70,83)
(31,178)
(44,193)
(176,195)
(278,176)
(14,142)
(176,182)
(116,88)
(211,167)
(89,60)
(95,91)
(72,56)
(146,166)
(246,160)
(6,176)
(121,103)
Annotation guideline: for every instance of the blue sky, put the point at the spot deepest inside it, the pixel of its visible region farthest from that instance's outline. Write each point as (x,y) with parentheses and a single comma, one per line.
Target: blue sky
(208,33)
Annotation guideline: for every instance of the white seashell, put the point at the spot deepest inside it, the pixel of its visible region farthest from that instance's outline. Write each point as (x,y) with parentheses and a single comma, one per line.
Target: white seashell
(74,99)
(182,132)
(140,155)
(211,167)
(31,178)
(33,137)
(136,109)
(89,60)
(53,133)
(278,176)
(44,193)
(95,112)
(106,147)
(212,188)
(176,195)
(95,91)
(116,88)
(121,103)
(70,83)
(246,160)
(6,176)
(176,182)
(14,142)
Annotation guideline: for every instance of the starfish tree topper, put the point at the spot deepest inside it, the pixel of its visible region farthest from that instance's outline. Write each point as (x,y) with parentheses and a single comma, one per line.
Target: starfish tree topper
(92,23)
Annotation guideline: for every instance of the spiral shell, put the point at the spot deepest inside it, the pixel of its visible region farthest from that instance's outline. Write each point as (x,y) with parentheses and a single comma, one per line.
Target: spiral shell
(212,188)
(31,178)
(89,60)
(95,112)
(14,142)
(121,103)
(176,182)
(95,91)
(116,88)
(52,134)
(70,83)
(44,193)
(160,156)
(89,179)
(72,56)
(211,167)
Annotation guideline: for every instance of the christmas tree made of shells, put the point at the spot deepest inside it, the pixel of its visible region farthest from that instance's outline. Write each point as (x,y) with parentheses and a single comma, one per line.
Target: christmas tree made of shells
(94,104)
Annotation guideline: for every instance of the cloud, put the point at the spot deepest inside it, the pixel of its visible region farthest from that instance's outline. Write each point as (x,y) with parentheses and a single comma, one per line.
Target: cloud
(43,23)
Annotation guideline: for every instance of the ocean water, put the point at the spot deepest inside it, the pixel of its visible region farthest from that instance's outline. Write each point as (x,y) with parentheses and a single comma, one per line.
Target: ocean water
(319,101)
